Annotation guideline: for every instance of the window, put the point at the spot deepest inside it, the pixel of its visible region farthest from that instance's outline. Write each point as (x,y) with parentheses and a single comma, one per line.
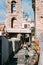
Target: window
(12,21)
(25,26)
(13,5)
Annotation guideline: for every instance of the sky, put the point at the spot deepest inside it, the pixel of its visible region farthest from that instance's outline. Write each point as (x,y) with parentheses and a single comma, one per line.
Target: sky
(26,5)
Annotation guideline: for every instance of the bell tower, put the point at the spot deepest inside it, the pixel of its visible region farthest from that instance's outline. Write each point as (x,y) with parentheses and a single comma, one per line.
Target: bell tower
(14,14)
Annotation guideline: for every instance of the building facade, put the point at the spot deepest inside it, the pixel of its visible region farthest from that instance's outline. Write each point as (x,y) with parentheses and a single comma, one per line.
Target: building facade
(39,16)
(14,14)
(14,17)
(38,11)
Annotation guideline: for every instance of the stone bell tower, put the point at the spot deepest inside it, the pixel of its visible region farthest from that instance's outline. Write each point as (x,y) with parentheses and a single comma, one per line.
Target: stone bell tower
(14,14)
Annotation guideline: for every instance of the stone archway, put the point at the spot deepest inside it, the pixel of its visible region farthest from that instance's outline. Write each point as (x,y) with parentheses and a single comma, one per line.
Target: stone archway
(13,4)
(12,21)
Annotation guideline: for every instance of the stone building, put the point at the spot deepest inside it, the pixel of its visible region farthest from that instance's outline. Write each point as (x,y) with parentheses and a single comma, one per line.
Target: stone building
(14,17)
(39,16)
(38,10)
(14,14)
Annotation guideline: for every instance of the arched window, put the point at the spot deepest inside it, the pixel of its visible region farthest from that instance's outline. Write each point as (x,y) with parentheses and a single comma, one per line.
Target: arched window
(12,21)
(13,5)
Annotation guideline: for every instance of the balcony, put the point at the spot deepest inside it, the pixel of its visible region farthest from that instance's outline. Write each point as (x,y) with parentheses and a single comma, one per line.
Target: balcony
(12,30)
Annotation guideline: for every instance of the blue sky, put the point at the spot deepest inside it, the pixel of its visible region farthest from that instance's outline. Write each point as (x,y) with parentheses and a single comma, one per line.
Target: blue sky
(26,4)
